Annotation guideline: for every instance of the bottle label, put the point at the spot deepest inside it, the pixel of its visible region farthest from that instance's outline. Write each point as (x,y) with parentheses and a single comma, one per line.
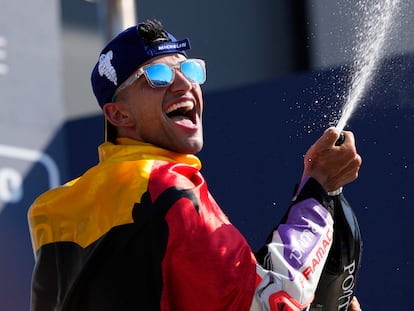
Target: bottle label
(347,287)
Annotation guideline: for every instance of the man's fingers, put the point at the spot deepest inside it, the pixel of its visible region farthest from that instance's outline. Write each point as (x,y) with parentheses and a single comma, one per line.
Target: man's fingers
(355,306)
(349,138)
(330,137)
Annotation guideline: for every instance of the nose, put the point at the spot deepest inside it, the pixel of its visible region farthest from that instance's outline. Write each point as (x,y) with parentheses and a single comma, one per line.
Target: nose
(181,83)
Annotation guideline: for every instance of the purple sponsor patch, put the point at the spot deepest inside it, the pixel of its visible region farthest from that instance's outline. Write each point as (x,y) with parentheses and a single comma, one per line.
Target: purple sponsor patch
(304,227)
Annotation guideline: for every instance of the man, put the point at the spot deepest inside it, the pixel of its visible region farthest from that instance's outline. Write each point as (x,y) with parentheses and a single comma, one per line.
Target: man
(140,230)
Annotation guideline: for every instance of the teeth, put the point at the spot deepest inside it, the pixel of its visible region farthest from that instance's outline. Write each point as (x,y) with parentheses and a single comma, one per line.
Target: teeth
(188,105)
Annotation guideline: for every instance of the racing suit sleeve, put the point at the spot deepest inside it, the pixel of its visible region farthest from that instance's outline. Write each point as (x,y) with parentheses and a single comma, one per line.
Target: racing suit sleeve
(290,264)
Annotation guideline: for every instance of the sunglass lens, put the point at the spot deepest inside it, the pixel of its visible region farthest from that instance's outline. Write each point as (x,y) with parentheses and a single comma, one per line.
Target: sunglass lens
(159,75)
(194,71)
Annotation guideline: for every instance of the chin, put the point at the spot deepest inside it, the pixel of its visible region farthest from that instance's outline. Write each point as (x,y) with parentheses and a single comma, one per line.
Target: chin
(193,147)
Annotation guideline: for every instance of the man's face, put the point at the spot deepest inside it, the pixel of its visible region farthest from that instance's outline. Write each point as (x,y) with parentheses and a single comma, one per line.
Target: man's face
(169,117)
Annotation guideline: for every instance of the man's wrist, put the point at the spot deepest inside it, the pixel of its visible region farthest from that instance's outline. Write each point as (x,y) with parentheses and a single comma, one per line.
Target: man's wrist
(335,192)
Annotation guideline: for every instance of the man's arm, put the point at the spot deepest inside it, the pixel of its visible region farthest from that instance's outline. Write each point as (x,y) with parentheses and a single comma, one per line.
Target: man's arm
(290,265)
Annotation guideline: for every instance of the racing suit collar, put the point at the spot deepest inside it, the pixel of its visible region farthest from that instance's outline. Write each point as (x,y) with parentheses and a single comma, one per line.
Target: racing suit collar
(127,148)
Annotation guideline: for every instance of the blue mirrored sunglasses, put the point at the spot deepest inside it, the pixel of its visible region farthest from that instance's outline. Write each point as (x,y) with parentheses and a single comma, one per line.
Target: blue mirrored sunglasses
(162,75)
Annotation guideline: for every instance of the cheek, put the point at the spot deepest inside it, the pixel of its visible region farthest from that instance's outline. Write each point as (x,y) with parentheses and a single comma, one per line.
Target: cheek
(147,100)
(148,111)
(199,96)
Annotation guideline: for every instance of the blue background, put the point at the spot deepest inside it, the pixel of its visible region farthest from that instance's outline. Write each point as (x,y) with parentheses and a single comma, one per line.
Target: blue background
(255,139)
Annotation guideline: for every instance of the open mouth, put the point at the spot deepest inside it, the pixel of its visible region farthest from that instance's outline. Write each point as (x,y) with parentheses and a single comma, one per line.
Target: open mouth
(182,112)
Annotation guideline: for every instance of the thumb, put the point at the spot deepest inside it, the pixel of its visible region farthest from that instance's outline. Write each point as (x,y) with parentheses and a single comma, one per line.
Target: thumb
(329,137)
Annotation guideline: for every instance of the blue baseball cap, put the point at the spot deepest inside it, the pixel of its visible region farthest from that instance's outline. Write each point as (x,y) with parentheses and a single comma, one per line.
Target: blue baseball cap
(123,55)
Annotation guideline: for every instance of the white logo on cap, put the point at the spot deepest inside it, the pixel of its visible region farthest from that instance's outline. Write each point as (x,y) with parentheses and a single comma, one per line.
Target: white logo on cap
(105,67)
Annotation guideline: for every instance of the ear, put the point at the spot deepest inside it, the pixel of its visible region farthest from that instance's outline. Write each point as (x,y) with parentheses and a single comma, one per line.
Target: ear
(117,114)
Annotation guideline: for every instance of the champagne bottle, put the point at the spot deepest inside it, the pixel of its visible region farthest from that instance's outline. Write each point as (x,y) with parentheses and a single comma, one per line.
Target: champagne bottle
(338,280)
